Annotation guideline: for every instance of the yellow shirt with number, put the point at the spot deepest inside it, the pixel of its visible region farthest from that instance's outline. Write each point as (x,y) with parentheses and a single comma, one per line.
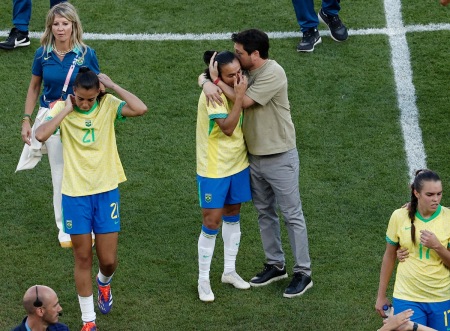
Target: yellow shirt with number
(91,160)
(422,277)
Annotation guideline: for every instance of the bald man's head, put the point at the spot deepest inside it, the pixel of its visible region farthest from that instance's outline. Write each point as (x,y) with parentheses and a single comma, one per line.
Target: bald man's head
(41,292)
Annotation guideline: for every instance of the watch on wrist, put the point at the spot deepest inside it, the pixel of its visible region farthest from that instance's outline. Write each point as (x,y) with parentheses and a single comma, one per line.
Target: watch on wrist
(415,326)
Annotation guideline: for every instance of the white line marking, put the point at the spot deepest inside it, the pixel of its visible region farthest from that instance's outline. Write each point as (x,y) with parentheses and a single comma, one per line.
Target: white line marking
(227,35)
(406,94)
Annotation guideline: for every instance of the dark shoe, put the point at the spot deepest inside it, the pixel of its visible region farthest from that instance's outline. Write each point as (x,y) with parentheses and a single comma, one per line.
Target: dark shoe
(310,39)
(271,273)
(337,28)
(299,284)
(15,39)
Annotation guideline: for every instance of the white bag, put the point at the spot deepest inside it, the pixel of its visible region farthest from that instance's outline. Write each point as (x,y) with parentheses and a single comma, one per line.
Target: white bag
(31,155)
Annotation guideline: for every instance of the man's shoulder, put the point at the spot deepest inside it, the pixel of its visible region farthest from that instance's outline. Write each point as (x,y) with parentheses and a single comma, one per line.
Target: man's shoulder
(58,327)
(21,326)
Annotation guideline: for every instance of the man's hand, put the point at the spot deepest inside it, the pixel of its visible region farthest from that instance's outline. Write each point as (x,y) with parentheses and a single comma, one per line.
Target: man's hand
(402,254)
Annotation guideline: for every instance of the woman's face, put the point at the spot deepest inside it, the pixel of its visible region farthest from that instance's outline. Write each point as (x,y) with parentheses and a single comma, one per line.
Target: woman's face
(229,71)
(61,28)
(85,99)
(429,196)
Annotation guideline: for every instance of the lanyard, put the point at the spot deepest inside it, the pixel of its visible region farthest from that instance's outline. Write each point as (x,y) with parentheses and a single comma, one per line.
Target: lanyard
(69,74)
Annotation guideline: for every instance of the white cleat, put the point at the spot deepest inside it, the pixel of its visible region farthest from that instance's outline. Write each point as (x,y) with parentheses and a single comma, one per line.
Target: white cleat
(204,291)
(234,279)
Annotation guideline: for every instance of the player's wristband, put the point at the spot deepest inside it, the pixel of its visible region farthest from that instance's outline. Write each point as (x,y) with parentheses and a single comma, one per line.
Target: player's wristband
(415,326)
(216,81)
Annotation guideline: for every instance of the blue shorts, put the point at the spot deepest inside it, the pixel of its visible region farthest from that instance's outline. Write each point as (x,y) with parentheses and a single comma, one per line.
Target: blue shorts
(432,314)
(218,192)
(97,212)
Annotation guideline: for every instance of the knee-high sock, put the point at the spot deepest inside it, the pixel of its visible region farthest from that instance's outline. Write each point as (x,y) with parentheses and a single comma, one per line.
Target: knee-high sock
(206,244)
(87,308)
(231,234)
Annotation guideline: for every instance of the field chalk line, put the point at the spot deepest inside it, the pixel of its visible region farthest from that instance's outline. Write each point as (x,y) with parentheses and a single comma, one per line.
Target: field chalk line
(406,93)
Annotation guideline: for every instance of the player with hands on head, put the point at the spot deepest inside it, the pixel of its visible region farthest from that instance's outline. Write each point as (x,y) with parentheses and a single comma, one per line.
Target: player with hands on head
(422,230)
(223,175)
(92,172)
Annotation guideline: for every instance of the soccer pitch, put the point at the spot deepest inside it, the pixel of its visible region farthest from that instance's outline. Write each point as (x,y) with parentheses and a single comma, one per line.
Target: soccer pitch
(367,112)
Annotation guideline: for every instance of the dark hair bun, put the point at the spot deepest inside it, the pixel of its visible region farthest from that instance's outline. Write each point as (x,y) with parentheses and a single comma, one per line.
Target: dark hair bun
(207,56)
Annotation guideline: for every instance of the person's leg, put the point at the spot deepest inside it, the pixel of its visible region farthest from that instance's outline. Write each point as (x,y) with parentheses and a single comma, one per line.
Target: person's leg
(82,252)
(269,224)
(106,227)
(77,221)
(18,36)
(265,204)
(283,175)
(239,192)
(231,234)
(106,248)
(306,15)
(55,158)
(282,172)
(205,247)
(329,15)
(331,7)
(21,14)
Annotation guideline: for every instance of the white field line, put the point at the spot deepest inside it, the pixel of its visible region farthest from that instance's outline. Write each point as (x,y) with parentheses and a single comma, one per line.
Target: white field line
(227,35)
(406,93)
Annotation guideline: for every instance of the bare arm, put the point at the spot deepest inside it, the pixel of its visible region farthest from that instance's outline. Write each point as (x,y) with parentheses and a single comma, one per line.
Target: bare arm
(227,125)
(32,96)
(387,267)
(47,128)
(134,106)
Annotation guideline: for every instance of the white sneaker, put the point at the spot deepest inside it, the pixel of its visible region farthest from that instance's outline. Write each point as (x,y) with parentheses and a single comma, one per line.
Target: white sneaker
(204,291)
(234,279)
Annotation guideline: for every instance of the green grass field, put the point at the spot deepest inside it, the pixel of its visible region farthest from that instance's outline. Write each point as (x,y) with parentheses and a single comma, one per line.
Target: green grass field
(354,171)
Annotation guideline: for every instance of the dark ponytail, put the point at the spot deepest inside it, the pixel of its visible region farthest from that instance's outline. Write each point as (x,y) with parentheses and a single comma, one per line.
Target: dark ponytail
(417,185)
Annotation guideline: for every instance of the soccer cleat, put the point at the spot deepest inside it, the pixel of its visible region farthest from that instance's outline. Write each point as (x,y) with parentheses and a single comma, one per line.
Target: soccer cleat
(299,284)
(204,291)
(271,273)
(89,326)
(105,299)
(310,39)
(337,29)
(15,39)
(234,279)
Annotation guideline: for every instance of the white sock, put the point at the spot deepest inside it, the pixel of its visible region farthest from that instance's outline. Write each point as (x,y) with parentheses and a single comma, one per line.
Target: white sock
(231,234)
(87,308)
(104,279)
(206,244)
